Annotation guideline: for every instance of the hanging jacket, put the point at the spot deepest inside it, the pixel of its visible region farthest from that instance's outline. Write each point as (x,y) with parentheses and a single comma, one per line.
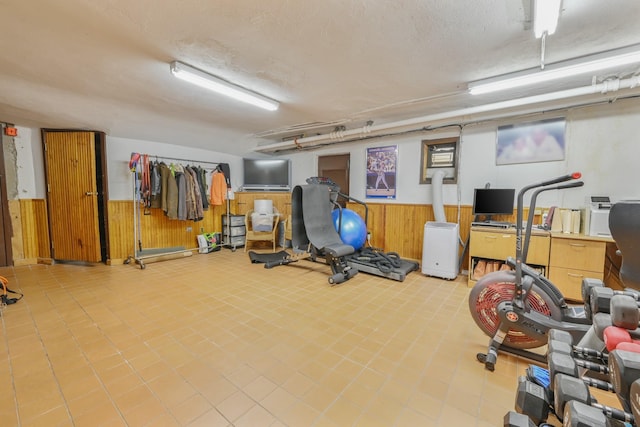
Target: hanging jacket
(181,180)
(218,189)
(156,185)
(197,196)
(168,192)
(202,182)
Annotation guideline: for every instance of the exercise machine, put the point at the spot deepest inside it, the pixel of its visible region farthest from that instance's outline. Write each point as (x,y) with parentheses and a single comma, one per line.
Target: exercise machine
(313,233)
(517,308)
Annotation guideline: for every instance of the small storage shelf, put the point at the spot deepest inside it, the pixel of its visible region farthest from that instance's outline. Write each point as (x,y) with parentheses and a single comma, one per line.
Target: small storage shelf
(233,234)
(494,246)
(491,265)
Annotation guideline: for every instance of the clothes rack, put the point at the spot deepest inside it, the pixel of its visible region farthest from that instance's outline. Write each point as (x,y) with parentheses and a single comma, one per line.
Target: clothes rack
(140,255)
(205,162)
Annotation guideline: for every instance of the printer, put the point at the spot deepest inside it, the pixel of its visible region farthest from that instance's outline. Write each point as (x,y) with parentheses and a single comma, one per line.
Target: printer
(597,217)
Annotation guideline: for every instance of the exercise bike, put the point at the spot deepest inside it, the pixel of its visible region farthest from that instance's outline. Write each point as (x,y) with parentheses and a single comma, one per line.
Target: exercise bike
(517,308)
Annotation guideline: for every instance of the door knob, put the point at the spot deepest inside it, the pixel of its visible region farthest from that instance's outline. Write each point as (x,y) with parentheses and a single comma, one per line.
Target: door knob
(89,193)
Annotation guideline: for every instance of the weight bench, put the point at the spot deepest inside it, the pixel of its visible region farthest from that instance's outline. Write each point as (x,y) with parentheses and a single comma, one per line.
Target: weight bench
(313,233)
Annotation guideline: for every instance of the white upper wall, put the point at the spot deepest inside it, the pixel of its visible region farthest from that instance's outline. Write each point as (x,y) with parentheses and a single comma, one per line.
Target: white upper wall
(119,153)
(602,142)
(30,164)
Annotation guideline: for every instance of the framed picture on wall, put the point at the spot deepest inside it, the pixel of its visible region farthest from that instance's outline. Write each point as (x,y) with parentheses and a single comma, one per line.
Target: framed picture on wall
(541,141)
(381,172)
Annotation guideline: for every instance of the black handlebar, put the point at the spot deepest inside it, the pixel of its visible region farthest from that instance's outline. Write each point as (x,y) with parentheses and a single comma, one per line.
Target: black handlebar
(521,250)
(569,177)
(570,185)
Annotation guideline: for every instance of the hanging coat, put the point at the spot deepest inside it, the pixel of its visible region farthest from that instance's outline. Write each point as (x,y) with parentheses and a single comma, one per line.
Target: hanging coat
(156,185)
(218,189)
(181,180)
(168,192)
(198,214)
(202,182)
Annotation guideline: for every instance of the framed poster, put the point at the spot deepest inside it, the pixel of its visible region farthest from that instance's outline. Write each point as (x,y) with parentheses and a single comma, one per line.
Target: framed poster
(381,172)
(541,141)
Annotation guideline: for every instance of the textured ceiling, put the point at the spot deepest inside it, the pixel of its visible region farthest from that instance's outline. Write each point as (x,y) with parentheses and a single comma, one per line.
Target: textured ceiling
(104,64)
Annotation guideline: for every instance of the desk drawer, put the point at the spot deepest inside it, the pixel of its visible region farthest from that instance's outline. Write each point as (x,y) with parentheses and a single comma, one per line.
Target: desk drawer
(578,254)
(499,246)
(569,281)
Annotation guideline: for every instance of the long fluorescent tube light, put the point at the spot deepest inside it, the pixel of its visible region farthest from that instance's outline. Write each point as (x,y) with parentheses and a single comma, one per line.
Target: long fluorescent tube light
(623,57)
(545,16)
(216,84)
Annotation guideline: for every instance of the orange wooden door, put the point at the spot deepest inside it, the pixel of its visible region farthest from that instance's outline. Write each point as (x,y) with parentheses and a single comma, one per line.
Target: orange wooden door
(72,195)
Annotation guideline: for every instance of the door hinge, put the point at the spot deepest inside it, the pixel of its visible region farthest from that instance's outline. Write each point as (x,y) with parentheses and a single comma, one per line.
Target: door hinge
(48,188)
(45,146)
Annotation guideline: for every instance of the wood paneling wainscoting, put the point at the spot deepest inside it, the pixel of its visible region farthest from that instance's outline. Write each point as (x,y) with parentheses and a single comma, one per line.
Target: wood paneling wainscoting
(394,228)
(400,227)
(157,231)
(30,231)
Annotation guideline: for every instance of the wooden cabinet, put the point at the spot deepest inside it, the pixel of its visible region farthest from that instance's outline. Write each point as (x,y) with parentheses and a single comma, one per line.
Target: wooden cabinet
(573,258)
(281,201)
(496,245)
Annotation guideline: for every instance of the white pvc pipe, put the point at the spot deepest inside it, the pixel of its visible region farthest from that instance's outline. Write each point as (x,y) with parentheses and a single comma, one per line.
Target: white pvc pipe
(452,116)
(436,187)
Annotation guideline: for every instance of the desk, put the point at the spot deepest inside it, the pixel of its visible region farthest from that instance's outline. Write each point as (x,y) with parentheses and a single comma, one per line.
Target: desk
(492,244)
(564,258)
(572,258)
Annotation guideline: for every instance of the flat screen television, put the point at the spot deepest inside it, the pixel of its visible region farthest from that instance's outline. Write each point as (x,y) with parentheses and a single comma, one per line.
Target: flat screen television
(493,201)
(266,175)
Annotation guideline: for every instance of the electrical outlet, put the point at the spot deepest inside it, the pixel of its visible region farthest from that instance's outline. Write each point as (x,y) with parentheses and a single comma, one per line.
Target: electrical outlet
(189,229)
(202,229)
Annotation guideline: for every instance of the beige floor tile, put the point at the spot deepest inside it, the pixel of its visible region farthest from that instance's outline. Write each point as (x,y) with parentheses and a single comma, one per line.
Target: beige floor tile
(171,389)
(300,414)
(259,388)
(58,416)
(343,412)
(255,417)
(246,346)
(131,399)
(148,412)
(236,405)
(278,402)
(103,413)
(189,410)
(211,418)
(411,418)
(320,397)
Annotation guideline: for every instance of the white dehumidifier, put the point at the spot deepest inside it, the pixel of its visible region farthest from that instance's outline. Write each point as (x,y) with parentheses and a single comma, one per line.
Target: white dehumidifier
(440,250)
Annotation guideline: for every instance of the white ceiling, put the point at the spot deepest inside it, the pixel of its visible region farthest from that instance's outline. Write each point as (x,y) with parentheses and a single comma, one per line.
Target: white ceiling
(104,64)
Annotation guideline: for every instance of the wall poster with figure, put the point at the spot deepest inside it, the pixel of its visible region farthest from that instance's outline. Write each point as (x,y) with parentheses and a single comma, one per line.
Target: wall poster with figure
(541,141)
(381,172)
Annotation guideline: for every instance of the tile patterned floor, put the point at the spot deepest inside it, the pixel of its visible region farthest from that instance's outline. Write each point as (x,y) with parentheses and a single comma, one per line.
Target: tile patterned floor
(213,340)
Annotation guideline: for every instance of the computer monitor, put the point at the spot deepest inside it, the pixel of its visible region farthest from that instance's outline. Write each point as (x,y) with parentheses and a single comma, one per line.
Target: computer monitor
(493,201)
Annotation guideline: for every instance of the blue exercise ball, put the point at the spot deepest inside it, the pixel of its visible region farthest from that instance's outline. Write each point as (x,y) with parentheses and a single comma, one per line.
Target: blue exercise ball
(353,231)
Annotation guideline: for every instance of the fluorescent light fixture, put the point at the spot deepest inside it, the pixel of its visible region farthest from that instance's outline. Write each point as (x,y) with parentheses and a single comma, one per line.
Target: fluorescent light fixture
(621,57)
(545,16)
(216,84)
